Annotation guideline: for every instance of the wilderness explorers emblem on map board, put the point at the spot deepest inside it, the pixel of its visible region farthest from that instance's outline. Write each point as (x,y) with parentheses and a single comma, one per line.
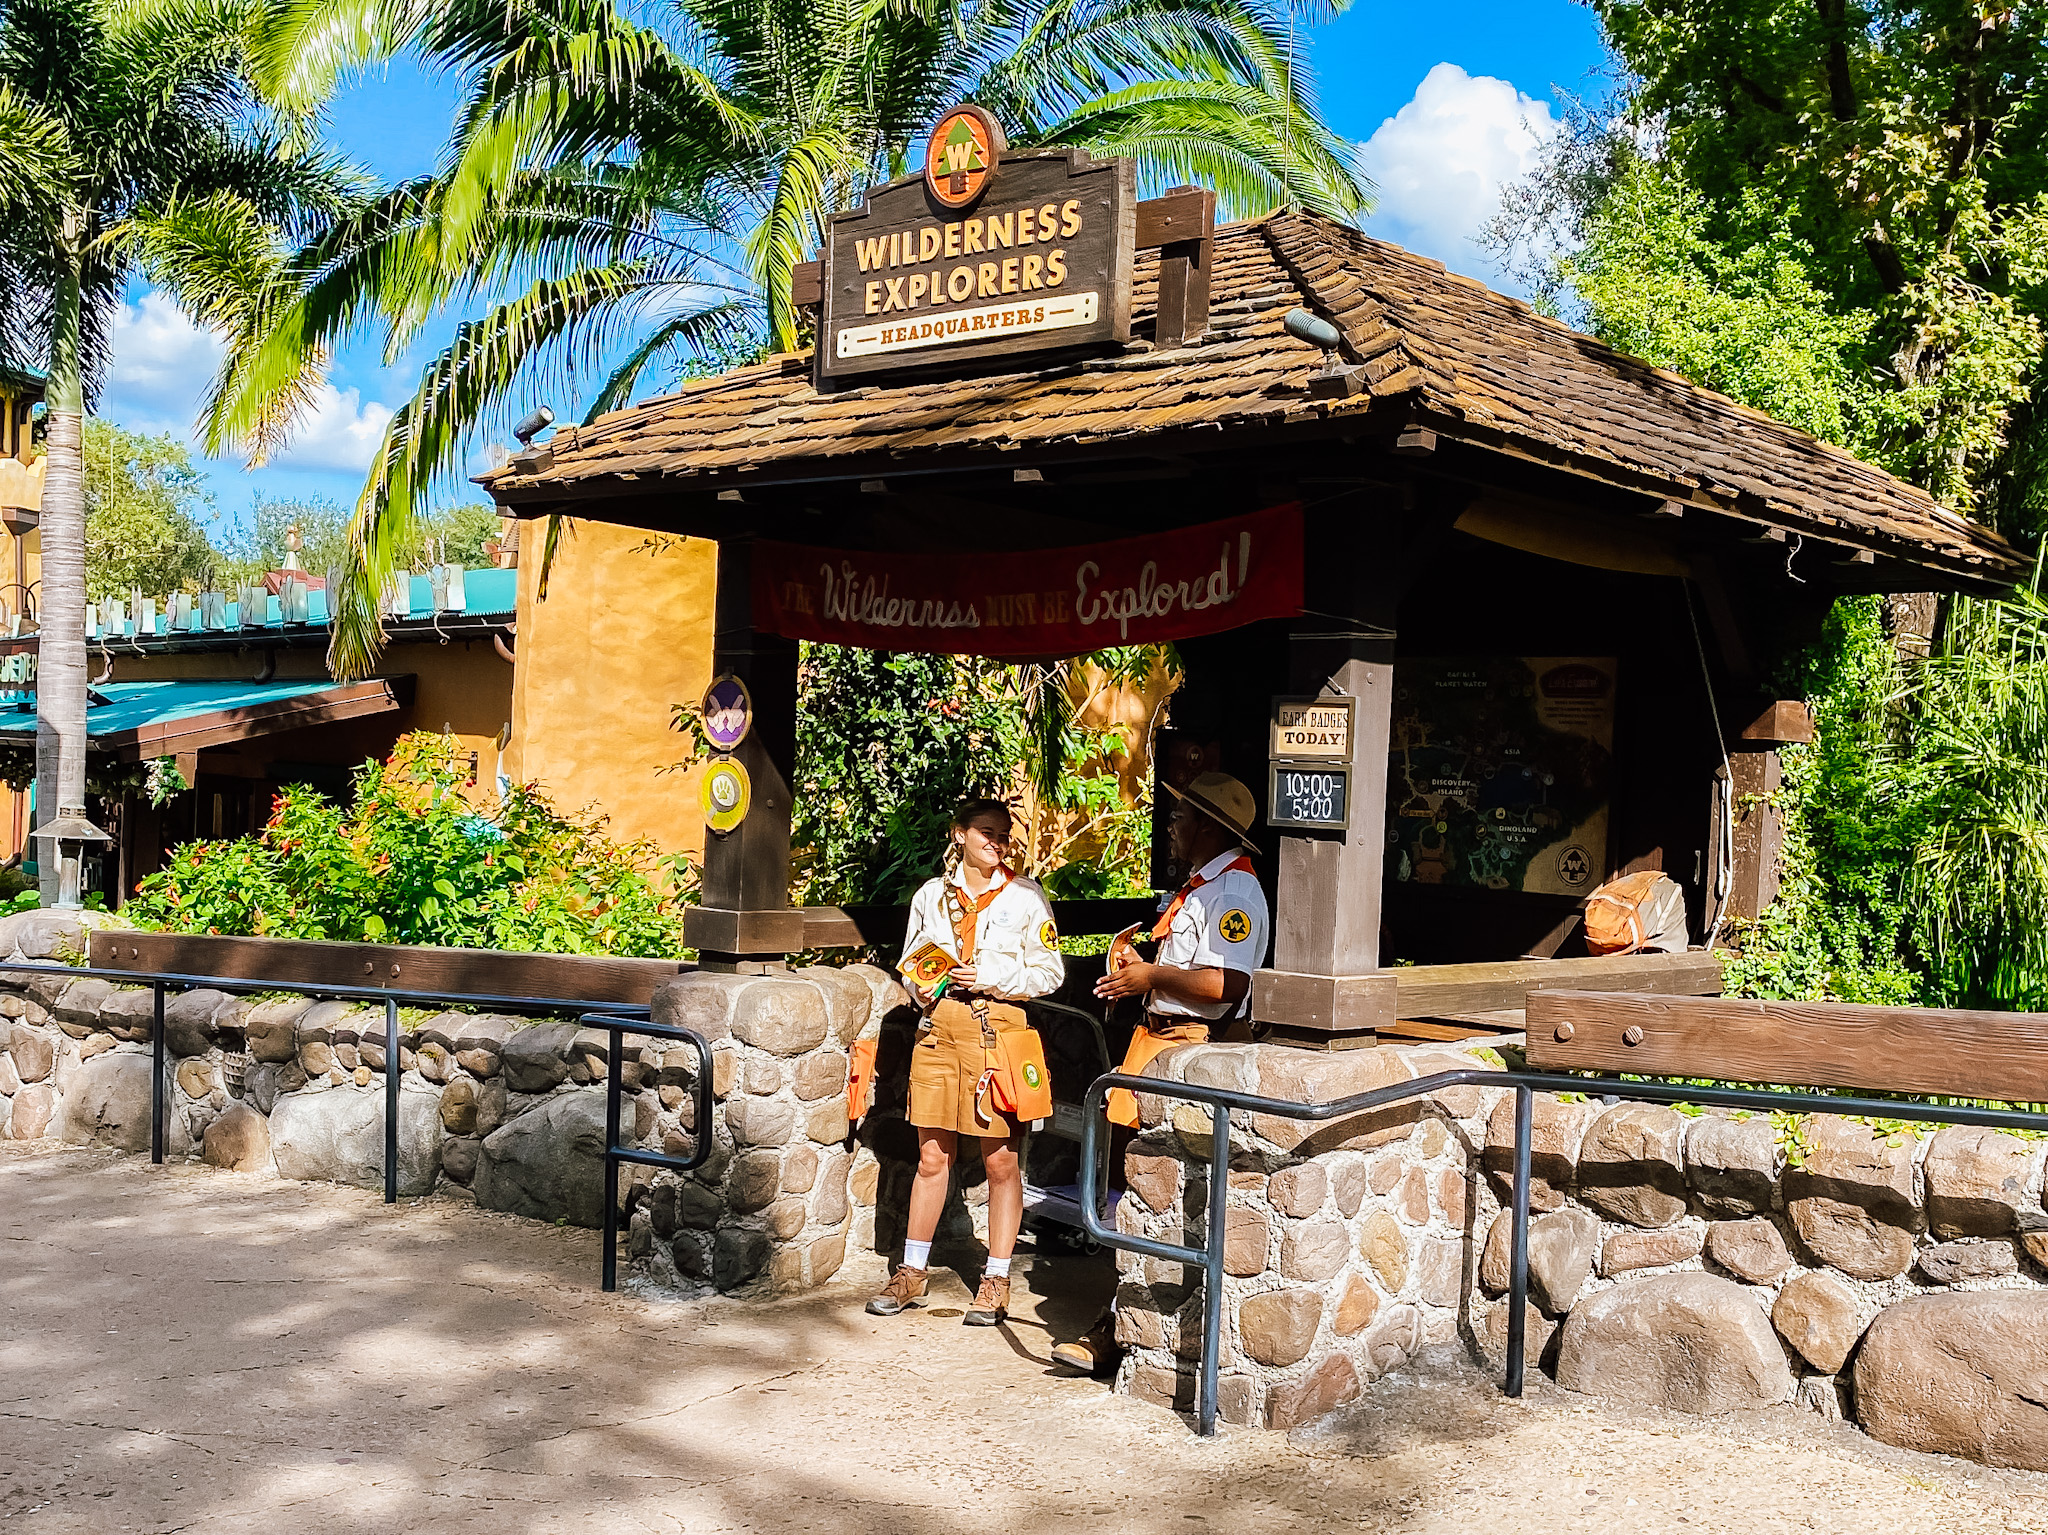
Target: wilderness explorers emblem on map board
(989,253)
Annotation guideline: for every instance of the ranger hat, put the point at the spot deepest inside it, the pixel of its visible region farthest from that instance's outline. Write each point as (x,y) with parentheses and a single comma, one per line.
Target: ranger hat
(1225,801)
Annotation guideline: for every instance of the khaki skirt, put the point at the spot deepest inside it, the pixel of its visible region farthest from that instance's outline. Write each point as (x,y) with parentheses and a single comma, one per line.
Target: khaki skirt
(946,1067)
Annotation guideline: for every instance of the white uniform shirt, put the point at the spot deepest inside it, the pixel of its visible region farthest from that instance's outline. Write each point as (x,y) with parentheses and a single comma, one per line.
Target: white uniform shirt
(1016,948)
(1222,924)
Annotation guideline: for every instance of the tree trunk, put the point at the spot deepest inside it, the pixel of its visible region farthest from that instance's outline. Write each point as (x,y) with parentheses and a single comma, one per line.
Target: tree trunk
(60,670)
(1911,619)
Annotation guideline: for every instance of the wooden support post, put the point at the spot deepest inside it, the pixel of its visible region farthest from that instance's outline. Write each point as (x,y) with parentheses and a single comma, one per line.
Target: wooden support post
(746,916)
(1757,836)
(1184,269)
(1328,919)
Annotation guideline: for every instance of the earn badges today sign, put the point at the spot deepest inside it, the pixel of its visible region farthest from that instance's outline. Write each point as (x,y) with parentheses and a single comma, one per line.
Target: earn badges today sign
(989,254)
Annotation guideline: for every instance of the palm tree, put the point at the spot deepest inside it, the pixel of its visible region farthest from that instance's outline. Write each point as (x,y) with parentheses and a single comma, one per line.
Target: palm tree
(132,141)
(651,186)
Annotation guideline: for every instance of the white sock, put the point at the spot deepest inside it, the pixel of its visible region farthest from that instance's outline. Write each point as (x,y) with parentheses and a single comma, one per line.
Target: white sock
(997,1268)
(917,1255)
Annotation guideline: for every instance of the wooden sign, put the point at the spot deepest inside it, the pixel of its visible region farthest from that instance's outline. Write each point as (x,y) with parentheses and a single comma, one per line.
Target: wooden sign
(1164,586)
(1312,729)
(1032,254)
(1309,797)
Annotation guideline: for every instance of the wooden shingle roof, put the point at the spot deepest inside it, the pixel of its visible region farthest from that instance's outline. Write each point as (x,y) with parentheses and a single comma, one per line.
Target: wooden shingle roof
(1437,349)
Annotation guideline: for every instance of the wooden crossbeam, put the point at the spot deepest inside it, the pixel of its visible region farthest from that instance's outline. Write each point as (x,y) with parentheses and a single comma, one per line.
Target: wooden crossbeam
(2002,1056)
(1447,991)
(398,967)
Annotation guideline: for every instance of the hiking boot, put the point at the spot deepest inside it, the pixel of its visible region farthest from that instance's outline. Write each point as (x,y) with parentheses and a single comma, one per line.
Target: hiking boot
(1096,1352)
(904,1289)
(991,1302)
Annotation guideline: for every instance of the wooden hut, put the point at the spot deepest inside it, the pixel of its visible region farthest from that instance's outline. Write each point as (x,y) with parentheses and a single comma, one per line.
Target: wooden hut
(1541,586)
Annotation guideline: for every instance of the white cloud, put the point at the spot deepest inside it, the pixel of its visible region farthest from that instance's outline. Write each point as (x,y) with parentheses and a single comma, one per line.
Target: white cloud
(336,431)
(1441,161)
(163,363)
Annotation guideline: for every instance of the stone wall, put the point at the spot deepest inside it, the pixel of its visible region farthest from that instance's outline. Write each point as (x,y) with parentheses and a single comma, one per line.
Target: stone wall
(1698,1262)
(506,1111)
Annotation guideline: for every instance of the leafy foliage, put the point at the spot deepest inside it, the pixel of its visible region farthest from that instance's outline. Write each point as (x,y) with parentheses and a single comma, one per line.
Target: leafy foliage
(414,862)
(1902,143)
(1977,882)
(888,744)
(644,182)
(458,532)
(146,511)
(1838,927)
(1741,316)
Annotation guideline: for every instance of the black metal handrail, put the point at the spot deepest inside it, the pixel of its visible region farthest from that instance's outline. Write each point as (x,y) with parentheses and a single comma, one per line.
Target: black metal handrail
(614,1153)
(157,980)
(1526,1084)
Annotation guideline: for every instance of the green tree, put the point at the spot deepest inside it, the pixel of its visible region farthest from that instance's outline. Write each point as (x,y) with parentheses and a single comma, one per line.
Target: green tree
(146,510)
(132,140)
(1902,143)
(1835,212)
(455,533)
(652,179)
(1740,316)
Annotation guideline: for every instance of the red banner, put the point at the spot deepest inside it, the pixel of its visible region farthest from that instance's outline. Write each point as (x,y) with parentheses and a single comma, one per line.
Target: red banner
(1037,602)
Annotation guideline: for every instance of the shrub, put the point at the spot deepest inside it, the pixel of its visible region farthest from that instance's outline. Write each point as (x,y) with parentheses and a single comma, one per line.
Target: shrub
(412,861)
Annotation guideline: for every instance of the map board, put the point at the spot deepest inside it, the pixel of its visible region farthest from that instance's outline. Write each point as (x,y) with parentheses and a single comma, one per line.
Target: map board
(1500,772)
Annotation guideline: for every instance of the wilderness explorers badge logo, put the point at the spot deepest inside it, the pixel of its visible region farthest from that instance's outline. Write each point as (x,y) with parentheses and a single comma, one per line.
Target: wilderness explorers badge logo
(965,149)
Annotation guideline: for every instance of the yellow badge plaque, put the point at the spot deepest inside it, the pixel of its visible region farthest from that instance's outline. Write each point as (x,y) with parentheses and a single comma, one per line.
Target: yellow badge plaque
(727,795)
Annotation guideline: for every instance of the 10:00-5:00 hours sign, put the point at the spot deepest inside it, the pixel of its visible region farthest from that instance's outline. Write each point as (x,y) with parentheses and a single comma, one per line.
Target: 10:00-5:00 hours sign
(1309,797)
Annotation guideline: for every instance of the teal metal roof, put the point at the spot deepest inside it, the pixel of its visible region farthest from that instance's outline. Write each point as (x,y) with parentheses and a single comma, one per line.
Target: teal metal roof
(484,592)
(153,718)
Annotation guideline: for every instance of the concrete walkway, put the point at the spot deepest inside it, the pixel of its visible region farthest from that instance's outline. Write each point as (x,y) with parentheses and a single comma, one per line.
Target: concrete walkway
(184,1349)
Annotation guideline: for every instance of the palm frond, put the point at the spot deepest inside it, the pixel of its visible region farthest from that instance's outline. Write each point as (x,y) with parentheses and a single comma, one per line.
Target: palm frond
(579,316)
(37,165)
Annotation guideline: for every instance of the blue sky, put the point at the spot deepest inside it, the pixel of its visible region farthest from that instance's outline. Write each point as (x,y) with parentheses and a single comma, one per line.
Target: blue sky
(1446,104)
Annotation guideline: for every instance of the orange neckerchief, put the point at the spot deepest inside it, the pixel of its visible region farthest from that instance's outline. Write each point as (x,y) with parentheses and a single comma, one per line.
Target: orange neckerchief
(967,911)
(1165,923)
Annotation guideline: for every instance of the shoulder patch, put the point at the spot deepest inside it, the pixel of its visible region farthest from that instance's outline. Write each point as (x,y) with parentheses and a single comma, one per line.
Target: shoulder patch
(1235,927)
(1048,934)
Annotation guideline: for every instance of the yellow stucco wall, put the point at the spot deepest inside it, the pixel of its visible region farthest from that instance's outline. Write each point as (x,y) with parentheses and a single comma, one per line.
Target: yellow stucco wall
(624,635)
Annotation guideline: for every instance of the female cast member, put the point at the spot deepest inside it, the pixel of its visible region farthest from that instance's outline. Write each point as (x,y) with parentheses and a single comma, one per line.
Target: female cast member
(997,929)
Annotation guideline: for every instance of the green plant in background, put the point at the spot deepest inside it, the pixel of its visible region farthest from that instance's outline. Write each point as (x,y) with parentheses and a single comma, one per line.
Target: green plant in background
(888,744)
(1975,769)
(413,861)
(1838,925)
(146,513)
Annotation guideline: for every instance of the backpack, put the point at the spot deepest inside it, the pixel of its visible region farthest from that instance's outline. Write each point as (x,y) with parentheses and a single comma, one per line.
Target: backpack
(1636,913)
